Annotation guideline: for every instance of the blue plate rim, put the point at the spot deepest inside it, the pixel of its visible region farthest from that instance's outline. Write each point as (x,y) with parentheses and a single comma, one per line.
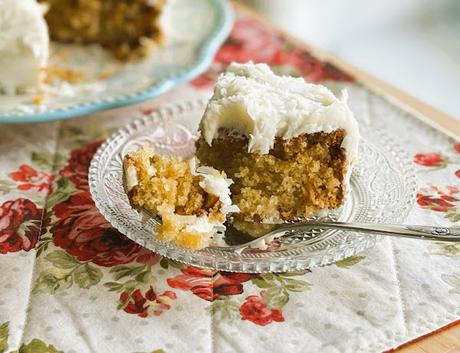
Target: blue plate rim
(204,58)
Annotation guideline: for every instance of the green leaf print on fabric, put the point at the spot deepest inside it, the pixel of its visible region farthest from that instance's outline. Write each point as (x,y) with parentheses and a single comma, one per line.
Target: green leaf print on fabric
(261,282)
(453,215)
(64,189)
(43,159)
(164,263)
(276,287)
(446,249)
(349,261)
(48,161)
(37,346)
(43,244)
(138,276)
(283,280)
(6,186)
(52,280)
(275,297)
(224,309)
(145,277)
(61,259)
(122,271)
(296,285)
(66,271)
(4,332)
(167,263)
(87,276)
(114,286)
(453,281)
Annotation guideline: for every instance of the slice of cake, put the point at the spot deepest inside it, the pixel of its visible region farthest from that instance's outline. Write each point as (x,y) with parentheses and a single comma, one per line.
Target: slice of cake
(23,45)
(192,200)
(128,28)
(287,145)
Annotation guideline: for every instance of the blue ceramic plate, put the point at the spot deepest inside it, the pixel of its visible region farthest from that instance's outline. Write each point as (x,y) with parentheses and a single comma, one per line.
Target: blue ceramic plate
(194,29)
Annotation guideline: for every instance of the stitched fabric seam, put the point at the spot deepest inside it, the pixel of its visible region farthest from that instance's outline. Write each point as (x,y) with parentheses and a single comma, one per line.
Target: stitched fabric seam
(211,322)
(398,282)
(394,343)
(29,299)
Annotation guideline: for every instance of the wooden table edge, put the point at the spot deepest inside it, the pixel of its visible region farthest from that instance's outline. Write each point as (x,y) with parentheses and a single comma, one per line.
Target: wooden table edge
(435,342)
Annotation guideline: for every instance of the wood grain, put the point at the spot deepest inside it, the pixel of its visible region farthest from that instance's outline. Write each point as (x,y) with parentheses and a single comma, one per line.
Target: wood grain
(446,340)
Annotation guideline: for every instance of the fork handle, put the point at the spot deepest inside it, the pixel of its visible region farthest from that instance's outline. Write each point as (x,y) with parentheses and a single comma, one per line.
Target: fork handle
(406,231)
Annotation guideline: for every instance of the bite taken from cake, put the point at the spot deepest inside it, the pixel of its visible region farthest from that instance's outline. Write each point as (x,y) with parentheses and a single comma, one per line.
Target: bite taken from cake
(192,200)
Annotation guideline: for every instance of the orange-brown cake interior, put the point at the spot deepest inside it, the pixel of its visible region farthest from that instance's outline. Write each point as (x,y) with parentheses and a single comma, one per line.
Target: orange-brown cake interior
(298,177)
(165,186)
(172,188)
(191,199)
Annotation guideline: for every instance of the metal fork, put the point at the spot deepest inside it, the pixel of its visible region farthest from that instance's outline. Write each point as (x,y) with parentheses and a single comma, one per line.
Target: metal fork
(451,234)
(275,231)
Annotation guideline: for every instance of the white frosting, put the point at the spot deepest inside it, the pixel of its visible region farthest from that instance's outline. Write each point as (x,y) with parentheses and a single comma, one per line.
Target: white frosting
(214,184)
(24,44)
(250,100)
(151,171)
(202,225)
(131,177)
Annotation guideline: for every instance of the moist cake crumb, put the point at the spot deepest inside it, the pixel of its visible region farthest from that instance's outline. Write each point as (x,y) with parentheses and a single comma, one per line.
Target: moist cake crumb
(297,178)
(127,28)
(192,200)
(288,145)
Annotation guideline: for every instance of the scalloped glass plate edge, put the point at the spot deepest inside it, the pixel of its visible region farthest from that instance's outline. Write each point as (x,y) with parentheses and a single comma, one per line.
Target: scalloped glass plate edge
(397,193)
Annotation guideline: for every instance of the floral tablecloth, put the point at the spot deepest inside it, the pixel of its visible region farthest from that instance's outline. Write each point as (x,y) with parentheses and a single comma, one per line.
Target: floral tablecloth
(71,283)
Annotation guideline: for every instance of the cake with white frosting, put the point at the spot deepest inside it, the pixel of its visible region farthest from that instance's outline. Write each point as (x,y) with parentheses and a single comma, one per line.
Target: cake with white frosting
(272,148)
(192,200)
(24,45)
(288,145)
(127,28)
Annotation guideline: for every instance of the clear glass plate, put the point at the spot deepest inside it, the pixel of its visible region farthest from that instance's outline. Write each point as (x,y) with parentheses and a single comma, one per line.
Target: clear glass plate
(382,191)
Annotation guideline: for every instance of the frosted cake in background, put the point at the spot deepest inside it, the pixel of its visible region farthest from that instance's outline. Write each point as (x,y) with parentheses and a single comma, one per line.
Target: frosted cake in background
(127,28)
(24,45)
